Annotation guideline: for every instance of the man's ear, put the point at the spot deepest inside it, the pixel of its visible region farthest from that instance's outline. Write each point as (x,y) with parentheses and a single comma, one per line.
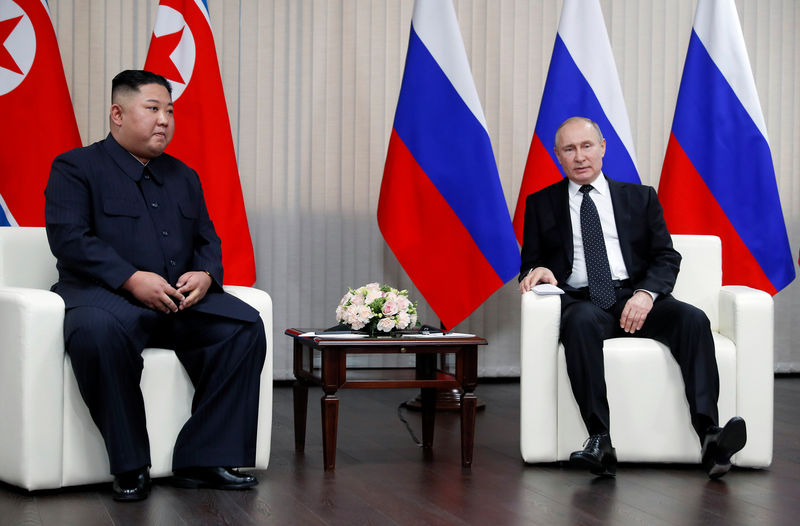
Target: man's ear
(116,114)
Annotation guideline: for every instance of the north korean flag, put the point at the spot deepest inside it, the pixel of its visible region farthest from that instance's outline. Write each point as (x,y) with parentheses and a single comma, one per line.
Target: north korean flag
(182,50)
(38,120)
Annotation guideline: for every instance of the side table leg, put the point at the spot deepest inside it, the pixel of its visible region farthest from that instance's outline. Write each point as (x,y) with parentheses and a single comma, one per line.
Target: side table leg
(428,395)
(300,395)
(469,403)
(330,417)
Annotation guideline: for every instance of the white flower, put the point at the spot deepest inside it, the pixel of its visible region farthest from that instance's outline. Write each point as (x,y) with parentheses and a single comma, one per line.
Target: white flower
(358,299)
(386,324)
(403,320)
(402,303)
(363,313)
(372,295)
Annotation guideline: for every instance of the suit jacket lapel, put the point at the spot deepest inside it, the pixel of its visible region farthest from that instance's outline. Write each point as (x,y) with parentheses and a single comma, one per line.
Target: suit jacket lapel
(622,218)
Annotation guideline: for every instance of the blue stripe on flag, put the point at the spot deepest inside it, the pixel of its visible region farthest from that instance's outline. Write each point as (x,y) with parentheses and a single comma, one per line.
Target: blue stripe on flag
(453,149)
(734,161)
(567,93)
(4,213)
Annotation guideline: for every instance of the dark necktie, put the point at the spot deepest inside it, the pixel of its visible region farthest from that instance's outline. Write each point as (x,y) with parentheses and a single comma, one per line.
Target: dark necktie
(601,288)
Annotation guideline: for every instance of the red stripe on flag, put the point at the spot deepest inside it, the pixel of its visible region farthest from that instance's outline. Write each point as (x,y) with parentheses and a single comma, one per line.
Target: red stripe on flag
(540,171)
(427,237)
(690,208)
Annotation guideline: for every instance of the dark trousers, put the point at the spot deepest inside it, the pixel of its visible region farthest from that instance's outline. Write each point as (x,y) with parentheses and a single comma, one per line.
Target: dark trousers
(222,356)
(685,329)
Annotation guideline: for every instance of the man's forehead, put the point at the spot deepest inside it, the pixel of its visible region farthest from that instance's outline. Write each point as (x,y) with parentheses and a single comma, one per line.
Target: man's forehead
(577,133)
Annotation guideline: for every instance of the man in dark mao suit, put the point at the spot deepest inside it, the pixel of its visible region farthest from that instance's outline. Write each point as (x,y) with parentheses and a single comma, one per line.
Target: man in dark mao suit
(140,265)
(643,269)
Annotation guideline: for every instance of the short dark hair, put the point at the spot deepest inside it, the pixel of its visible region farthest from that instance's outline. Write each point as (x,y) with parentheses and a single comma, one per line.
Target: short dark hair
(133,79)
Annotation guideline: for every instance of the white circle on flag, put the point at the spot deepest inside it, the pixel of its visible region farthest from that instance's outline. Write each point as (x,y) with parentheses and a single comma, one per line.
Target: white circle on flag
(169,21)
(20,45)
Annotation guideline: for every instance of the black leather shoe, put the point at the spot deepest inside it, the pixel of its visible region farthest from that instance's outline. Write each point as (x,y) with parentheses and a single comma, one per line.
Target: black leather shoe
(598,456)
(131,485)
(213,478)
(720,443)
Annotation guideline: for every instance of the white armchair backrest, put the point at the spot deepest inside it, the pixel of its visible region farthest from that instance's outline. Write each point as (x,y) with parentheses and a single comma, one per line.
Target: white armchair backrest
(25,258)
(700,278)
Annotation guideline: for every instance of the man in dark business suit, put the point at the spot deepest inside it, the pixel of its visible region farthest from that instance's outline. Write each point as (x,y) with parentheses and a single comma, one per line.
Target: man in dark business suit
(607,245)
(140,265)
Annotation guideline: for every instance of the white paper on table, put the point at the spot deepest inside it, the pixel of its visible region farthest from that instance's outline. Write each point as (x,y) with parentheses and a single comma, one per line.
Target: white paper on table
(442,335)
(546,288)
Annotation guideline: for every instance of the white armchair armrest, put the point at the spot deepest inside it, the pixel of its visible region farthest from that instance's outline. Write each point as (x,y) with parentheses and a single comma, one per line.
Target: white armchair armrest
(31,386)
(258,299)
(539,330)
(746,317)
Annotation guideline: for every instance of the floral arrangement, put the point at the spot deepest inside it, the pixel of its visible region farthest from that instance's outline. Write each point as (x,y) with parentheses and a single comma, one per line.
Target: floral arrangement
(378,308)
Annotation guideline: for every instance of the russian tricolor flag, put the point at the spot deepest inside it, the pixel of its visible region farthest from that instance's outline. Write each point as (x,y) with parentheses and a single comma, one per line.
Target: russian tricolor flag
(441,208)
(718,176)
(582,81)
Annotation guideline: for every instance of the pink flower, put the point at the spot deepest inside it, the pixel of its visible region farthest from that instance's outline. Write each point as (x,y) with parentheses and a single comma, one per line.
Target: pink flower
(390,308)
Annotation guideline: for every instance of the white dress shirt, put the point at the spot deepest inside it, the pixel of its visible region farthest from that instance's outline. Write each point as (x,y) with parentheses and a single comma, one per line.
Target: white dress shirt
(601,196)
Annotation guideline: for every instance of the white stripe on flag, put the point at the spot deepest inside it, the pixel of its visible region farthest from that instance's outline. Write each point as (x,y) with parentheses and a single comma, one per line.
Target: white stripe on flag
(583,30)
(7,212)
(437,26)
(716,23)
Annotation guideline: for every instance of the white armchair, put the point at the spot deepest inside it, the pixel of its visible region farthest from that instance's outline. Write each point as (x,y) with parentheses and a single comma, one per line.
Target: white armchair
(49,439)
(650,419)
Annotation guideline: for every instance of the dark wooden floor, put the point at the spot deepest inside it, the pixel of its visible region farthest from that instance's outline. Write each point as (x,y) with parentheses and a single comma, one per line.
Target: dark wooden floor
(383,478)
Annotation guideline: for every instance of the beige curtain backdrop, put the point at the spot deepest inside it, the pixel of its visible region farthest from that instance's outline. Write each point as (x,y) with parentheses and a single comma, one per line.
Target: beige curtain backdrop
(311,88)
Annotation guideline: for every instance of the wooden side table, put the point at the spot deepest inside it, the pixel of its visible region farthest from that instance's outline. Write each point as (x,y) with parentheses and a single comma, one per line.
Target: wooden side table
(321,360)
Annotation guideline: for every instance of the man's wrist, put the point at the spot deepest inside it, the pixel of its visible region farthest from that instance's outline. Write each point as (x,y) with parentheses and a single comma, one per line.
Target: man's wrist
(653,295)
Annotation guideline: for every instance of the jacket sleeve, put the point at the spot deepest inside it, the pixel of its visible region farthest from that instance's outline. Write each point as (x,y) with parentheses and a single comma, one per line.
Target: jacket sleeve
(663,261)
(531,243)
(207,245)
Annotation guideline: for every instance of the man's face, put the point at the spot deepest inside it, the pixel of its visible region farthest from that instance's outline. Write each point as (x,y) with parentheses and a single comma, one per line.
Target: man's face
(142,121)
(580,151)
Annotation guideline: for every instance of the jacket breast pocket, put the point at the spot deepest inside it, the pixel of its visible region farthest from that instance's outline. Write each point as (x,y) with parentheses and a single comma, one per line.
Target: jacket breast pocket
(188,210)
(122,208)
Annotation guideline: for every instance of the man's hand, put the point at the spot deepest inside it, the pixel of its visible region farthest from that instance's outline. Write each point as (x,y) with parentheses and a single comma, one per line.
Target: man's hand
(635,312)
(536,276)
(153,291)
(196,284)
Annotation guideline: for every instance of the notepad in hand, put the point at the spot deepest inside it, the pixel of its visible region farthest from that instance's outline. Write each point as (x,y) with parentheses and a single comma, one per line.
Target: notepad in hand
(546,288)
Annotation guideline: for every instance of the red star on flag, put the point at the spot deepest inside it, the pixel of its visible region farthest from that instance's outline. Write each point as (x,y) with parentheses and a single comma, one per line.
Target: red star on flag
(159,55)
(6,60)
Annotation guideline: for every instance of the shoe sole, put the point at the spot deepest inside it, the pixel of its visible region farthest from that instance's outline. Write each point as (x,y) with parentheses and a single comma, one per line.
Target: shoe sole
(131,498)
(609,469)
(731,440)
